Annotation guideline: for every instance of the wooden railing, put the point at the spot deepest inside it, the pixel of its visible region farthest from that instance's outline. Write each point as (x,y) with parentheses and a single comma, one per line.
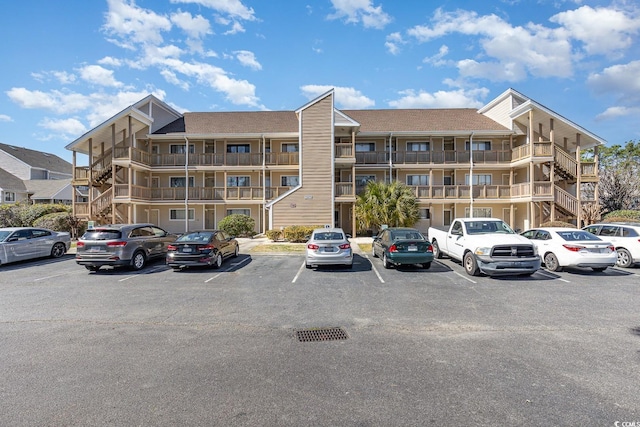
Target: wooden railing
(566,200)
(102,202)
(344,189)
(132,154)
(566,162)
(197,193)
(344,150)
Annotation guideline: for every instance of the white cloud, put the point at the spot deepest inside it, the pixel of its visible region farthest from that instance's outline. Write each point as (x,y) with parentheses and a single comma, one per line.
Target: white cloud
(235,29)
(345,97)
(98,75)
(5,118)
(66,127)
(621,82)
(134,25)
(604,31)
(110,61)
(617,112)
(437,59)
(248,59)
(233,8)
(441,99)
(172,78)
(393,43)
(540,51)
(195,26)
(356,11)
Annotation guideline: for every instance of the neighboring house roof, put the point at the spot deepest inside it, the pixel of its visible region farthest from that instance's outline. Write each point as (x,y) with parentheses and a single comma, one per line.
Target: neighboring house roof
(46,189)
(391,120)
(38,159)
(10,182)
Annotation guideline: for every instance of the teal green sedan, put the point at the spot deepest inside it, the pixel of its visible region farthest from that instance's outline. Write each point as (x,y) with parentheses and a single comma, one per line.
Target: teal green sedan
(402,246)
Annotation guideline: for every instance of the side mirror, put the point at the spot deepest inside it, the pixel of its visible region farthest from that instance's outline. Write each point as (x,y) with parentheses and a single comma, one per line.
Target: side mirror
(348,236)
(12,239)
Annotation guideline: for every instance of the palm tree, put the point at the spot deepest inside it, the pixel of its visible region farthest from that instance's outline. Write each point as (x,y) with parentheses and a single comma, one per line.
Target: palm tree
(392,204)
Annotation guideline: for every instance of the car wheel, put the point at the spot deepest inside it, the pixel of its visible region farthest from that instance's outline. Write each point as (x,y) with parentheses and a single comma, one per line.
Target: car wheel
(436,250)
(92,267)
(551,262)
(624,258)
(218,261)
(385,261)
(236,252)
(373,252)
(138,261)
(426,265)
(58,250)
(598,269)
(470,264)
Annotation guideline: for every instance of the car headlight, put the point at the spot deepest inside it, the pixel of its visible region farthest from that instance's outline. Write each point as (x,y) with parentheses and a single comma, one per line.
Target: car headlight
(535,250)
(483,251)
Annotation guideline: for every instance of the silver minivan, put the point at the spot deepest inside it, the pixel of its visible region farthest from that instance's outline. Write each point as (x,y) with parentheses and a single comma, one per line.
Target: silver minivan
(130,245)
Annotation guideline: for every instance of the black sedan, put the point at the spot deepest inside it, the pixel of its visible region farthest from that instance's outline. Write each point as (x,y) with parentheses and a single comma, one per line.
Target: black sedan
(206,248)
(402,246)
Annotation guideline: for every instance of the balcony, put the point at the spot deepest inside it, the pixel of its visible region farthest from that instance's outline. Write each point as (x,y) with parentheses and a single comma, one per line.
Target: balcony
(126,192)
(541,191)
(432,157)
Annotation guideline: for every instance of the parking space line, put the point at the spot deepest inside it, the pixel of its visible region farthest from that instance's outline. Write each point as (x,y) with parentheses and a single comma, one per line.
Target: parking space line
(214,277)
(373,267)
(126,278)
(299,272)
(55,275)
(551,276)
(464,277)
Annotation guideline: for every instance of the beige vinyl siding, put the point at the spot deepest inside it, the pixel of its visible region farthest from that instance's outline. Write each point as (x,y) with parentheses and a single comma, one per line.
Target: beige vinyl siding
(311,204)
(500,112)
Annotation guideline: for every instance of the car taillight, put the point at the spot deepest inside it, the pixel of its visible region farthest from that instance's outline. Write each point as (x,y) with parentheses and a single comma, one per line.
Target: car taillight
(205,247)
(393,248)
(430,248)
(80,245)
(312,246)
(345,246)
(172,248)
(613,248)
(574,248)
(117,244)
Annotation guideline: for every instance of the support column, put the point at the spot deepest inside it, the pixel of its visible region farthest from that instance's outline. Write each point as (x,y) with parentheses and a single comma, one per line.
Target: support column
(579,181)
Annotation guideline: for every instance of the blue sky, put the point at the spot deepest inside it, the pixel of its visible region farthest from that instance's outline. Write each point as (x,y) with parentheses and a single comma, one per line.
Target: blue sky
(69,65)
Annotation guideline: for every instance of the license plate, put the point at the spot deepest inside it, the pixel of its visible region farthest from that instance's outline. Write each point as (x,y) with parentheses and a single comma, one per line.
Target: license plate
(186,249)
(413,248)
(94,249)
(328,250)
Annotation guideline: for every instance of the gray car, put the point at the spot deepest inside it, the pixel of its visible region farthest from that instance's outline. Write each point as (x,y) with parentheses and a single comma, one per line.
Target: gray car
(328,246)
(129,245)
(22,243)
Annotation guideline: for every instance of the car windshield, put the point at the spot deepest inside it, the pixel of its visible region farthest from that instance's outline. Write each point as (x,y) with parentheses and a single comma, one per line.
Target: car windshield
(328,235)
(101,234)
(577,235)
(195,237)
(480,227)
(4,235)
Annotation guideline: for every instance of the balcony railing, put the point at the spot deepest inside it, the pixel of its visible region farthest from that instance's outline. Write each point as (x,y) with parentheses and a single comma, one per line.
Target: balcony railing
(344,150)
(197,193)
(541,189)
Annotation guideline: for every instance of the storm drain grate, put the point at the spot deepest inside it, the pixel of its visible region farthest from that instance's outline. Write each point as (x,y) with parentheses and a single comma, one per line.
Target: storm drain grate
(321,334)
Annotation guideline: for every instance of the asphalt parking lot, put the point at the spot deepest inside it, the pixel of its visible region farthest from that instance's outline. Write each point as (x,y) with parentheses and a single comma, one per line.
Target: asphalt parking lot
(220,347)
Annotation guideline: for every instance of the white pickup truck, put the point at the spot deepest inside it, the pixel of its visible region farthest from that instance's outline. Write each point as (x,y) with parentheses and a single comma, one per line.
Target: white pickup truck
(485,245)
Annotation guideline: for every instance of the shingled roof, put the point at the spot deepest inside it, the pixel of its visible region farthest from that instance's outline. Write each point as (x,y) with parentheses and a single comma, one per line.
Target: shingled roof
(10,182)
(38,159)
(391,120)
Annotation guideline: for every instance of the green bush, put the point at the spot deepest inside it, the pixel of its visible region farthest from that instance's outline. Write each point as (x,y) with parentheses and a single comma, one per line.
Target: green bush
(238,225)
(24,215)
(622,216)
(62,221)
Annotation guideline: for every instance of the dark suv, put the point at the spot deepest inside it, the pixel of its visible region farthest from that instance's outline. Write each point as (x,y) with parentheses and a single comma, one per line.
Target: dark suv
(116,245)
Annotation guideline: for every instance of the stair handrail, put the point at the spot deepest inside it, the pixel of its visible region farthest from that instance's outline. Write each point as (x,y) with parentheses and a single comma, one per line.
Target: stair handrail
(103,201)
(566,200)
(565,161)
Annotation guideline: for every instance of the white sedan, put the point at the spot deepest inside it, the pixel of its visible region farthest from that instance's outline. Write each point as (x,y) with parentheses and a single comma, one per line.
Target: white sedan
(569,247)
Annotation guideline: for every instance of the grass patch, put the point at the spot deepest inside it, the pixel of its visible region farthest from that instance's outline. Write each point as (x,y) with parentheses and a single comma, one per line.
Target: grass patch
(365,247)
(280,247)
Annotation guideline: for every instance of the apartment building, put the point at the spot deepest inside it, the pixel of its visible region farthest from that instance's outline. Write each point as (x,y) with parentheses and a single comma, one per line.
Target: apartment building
(514,159)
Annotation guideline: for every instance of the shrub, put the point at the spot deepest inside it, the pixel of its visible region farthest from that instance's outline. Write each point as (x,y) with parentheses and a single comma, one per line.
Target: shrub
(299,233)
(558,224)
(274,235)
(622,216)
(238,225)
(24,215)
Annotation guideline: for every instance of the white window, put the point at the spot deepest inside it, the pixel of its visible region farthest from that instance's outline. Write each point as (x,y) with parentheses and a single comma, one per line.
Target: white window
(290,148)
(179,148)
(289,181)
(425,213)
(365,146)
(9,196)
(478,213)
(478,179)
(246,212)
(417,179)
(478,145)
(418,146)
(180,181)
(238,148)
(238,181)
(178,214)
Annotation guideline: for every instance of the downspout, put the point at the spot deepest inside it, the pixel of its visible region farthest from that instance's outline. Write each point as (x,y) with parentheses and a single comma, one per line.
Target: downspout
(471,175)
(264,185)
(390,160)
(186,178)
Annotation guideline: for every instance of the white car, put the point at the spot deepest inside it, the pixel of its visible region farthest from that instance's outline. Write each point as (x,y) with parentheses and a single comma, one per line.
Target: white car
(570,247)
(624,236)
(329,246)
